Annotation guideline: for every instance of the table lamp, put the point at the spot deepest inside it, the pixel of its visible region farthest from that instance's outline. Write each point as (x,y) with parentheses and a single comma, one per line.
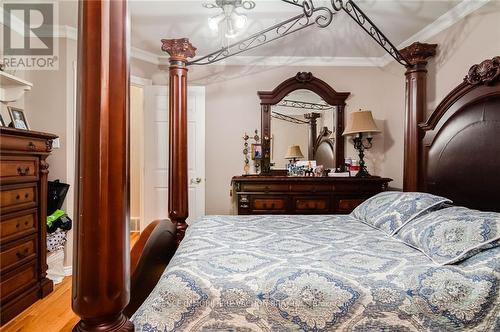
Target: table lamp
(293,153)
(359,124)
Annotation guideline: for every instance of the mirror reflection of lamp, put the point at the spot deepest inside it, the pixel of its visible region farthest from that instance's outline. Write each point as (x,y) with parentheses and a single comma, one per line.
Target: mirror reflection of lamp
(293,154)
(361,126)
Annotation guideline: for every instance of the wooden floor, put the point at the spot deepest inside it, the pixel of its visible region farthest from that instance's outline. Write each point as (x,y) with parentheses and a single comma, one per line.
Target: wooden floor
(52,313)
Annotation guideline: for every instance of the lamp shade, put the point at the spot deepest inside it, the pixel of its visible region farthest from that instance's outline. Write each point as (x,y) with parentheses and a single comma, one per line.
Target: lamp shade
(360,122)
(293,152)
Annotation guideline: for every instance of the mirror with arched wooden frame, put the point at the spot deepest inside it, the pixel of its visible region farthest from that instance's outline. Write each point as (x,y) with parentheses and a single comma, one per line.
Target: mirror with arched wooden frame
(303,81)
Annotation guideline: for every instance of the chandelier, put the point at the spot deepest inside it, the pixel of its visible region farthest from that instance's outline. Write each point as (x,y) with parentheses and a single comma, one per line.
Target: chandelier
(230,21)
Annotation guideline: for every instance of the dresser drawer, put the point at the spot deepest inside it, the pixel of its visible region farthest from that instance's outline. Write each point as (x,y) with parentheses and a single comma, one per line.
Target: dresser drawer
(346,205)
(17,197)
(18,224)
(264,187)
(26,144)
(311,187)
(307,205)
(18,169)
(17,253)
(20,279)
(268,204)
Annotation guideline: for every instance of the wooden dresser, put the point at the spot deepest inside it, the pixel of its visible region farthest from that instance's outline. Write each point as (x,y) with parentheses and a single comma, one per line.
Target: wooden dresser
(23,209)
(302,195)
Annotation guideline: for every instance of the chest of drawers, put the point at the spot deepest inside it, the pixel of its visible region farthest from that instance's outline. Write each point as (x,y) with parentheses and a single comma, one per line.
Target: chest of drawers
(302,195)
(23,205)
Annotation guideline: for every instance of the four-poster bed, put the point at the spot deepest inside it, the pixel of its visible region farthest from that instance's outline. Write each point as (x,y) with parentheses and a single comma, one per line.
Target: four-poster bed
(101,286)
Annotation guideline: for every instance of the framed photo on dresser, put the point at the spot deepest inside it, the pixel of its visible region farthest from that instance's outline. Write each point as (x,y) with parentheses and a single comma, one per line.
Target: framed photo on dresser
(256,151)
(18,118)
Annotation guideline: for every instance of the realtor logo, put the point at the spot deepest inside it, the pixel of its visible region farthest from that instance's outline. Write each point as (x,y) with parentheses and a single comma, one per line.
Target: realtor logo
(29,41)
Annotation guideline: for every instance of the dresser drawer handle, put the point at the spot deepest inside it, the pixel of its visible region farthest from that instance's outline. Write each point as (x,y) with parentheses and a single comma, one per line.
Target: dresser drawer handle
(26,223)
(31,146)
(23,172)
(18,225)
(22,254)
(266,189)
(26,195)
(18,197)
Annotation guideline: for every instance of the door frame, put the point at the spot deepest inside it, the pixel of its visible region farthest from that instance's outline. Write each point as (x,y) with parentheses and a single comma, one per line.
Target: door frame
(141,83)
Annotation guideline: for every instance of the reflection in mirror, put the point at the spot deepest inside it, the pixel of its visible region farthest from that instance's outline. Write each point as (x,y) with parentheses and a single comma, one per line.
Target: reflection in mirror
(303,118)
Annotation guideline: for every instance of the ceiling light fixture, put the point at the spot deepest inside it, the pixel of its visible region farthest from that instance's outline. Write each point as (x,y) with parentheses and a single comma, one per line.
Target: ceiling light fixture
(229,21)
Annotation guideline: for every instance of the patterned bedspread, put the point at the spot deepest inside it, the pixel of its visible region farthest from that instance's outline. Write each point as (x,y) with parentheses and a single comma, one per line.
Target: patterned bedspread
(315,273)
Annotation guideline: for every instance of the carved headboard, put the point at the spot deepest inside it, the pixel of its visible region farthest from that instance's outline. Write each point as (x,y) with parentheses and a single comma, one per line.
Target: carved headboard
(460,157)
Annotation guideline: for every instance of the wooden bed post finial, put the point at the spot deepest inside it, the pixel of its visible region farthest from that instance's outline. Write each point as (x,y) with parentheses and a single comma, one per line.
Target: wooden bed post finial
(178,211)
(178,49)
(417,55)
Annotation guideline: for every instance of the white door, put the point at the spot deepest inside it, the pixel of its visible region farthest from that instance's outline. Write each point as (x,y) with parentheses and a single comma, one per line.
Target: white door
(156,153)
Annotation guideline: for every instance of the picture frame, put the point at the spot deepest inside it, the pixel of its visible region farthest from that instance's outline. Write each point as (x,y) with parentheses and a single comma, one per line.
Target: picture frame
(2,122)
(256,151)
(18,118)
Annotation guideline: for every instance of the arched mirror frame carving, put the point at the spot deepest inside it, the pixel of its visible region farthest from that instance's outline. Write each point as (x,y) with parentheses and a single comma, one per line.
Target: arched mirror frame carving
(301,81)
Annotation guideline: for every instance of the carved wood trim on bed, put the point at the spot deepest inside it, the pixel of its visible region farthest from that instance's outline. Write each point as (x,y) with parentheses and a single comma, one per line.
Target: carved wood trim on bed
(459,154)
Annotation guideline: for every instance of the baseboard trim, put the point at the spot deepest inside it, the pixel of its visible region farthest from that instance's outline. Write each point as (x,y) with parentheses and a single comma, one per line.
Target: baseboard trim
(68,270)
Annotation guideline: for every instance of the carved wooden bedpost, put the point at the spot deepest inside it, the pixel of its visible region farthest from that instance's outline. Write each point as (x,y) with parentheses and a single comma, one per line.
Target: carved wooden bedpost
(101,252)
(416,84)
(179,50)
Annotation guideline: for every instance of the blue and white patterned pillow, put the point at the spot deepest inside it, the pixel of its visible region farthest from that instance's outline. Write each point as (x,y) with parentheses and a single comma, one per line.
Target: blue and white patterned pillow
(453,234)
(391,210)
